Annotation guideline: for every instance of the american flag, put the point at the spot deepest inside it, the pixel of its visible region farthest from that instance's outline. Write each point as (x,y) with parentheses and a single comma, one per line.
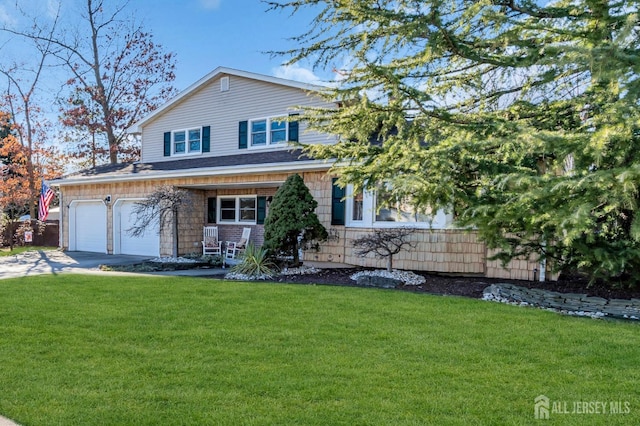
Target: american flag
(46,195)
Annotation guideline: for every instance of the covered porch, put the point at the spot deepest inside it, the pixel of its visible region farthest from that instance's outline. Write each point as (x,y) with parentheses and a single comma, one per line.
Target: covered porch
(230,207)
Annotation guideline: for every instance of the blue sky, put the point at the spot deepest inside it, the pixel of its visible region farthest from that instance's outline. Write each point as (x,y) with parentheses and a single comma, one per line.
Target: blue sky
(206,34)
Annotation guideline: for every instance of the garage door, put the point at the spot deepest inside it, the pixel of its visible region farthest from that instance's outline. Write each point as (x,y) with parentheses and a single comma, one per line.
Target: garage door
(89,227)
(145,245)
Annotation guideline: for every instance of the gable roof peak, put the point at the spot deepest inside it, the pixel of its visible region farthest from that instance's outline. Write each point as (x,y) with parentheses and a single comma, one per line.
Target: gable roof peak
(219,72)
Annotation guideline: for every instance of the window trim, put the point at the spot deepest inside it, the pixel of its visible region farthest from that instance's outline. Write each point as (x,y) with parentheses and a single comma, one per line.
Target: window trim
(440,220)
(187,143)
(268,131)
(237,208)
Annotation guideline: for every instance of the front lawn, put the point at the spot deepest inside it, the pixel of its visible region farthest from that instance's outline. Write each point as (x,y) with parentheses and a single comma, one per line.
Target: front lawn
(97,350)
(6,251)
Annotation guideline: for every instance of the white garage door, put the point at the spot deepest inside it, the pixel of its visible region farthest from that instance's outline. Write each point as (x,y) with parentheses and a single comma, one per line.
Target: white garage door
(89,227)
(145,245)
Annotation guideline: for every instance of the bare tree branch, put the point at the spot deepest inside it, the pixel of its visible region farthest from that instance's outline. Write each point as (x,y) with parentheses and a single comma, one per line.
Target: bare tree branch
(116,64)
(384,243)
(161,207)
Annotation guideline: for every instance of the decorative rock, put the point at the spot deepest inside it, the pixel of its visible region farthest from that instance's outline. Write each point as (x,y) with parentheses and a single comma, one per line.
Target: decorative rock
(406,278)
(567,303)
(172,260)
(378,281)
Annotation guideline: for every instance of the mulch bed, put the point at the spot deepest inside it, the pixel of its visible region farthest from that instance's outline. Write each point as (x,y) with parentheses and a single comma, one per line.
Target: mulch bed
(464,286)
(435,283)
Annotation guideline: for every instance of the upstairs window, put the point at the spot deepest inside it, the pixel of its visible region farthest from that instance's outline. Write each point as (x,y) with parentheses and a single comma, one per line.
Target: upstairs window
(271,131)
(259,133)
(278,131)
(268,131)
(178,143)
(194,140)
(187,141)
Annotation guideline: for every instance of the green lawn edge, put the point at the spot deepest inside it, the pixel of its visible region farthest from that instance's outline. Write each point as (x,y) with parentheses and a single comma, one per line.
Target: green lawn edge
(87,349)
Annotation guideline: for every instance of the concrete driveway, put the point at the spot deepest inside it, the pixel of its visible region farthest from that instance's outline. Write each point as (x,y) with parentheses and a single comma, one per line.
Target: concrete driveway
(57,261)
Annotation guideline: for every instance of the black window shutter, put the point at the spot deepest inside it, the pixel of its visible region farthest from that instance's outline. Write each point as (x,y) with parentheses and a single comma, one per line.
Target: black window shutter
(261,210)
(337,204)
(211,210)
(242,135)
(293,129)
(167,144)
(206,138)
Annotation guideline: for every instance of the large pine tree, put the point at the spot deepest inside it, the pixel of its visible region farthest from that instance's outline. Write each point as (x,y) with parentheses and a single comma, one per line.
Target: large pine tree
(521,116)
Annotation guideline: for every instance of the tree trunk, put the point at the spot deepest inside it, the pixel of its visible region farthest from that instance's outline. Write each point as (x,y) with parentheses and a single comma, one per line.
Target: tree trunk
(296,254)
(175,232)
(31,182)
(102,96)
(12,231)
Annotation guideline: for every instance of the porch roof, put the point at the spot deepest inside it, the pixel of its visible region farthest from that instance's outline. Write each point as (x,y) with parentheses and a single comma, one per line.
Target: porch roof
(250,163)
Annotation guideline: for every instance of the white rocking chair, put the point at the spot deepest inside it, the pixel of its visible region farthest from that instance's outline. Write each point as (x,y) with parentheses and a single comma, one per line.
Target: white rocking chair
(211,245)
(233,248)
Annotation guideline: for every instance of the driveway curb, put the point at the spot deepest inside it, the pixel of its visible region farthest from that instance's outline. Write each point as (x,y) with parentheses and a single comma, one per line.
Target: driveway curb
(7,422)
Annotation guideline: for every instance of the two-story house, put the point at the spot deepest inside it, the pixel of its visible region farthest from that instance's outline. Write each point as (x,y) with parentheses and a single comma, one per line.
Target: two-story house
(224,140)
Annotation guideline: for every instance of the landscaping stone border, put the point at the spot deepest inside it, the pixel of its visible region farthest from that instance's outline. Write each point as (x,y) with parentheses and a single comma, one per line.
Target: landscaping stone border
(570,303)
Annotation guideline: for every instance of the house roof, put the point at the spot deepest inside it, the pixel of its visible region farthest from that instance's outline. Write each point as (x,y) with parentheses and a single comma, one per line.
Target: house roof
(249,163)
(221,71)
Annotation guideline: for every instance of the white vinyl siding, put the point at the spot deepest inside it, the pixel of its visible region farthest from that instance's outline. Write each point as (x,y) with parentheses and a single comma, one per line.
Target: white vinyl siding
(245,100)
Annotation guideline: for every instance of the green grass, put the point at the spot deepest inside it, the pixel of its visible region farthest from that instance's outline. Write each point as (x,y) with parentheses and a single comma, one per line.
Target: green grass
(5,251)
(94,350)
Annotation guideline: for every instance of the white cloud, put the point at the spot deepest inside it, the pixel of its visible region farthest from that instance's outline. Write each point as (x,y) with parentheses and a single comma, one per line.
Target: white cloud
(297,73)
(12,17)
(6,19)
(53,7)
(210,4)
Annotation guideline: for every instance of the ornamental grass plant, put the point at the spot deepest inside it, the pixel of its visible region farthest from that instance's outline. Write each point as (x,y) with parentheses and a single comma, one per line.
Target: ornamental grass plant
(255,263)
